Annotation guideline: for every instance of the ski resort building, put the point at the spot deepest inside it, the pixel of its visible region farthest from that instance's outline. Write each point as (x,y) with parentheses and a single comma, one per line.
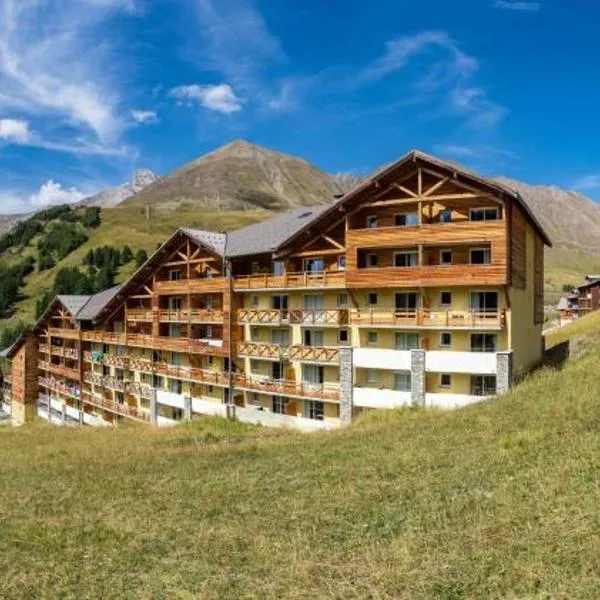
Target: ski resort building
(422,286)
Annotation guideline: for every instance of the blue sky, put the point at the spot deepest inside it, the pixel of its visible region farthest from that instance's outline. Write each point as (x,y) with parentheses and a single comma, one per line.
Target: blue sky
(92,89)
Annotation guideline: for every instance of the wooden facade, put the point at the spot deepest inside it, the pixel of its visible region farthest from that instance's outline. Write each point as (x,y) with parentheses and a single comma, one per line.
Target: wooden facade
(423,247)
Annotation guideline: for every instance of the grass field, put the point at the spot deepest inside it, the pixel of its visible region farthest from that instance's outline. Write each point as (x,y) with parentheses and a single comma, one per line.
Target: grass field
(497,500)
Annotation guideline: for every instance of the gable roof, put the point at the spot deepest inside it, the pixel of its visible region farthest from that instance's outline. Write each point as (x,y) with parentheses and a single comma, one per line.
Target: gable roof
(209,239)
(378,180)
(96,303)
(73,303)
(269,235)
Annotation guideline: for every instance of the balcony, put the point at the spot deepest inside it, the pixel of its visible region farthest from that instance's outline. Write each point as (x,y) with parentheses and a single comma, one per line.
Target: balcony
(423,318)
(140,314)
(325,391)
(130,412)
(107,359)
(63,352)
(318,354)
(193,315)
(333,317)
(58,386)
(61,332)
(142,390)
(265,351)
(191,286)
(192,374)
(60,370)
(301,279)
(105,381)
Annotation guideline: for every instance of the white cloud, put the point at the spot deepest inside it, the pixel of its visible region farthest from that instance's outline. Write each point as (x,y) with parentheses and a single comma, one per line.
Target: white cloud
(524,6)
(588,182)
(15,130)
(472,102)
(220,98)
(53,192)
(144,116)
(54,62)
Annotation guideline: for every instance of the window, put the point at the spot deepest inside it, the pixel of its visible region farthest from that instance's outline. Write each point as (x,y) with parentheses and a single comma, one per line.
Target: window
(210,389)
(372,299)
(277,371)
(313,337)
(372,221)
(255,366)
(372,338)
(406,259)
(279,404)
(445,340)
(484,302)
(254,398)
(406,301)
(279,302)
(278,267)
(175,275)
(483,385)
(158,382)
(313,374)
(176,359)
(483,214)
(402,382)
(254,301)
(480,256)
(175,386)
(342,263)
(208,332)
(254,334)
(407,340)
(445,257)
(371,376)
(120,398)
(314,410)
(445,380)
(280,337)
(342,300)
(372,260)
(343,336)
(254,268)
(314,302)
(406,219)
(207,302)
(174,330)
(105,370)
(483,342)
(314,265)
(445,298)
(175,303)
(446,216)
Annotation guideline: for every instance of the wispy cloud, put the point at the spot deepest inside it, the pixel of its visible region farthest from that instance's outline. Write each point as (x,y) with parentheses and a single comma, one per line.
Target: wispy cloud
(15,130)
(220,98)
(473,103)
(144,117)
(481,151)
(523,6)
(53,63)
(587,183)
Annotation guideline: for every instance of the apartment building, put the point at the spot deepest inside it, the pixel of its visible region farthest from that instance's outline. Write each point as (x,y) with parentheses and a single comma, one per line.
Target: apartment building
(423,286)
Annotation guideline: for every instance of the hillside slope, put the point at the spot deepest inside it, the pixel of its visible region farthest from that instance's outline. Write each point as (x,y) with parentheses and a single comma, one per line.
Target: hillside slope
(140,180)
(240,176)
(497,500)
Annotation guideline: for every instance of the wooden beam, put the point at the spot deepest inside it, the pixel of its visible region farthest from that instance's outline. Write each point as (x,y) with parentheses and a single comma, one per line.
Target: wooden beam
(149,290)
(419,181)
(183,256)
(196,252)
(436,186)
(318,253)
(405,190)
(333,242)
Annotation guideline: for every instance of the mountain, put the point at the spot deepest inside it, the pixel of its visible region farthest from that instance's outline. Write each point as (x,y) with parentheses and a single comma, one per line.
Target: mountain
(571,219)
(240,176)
(7,222)
(140,180)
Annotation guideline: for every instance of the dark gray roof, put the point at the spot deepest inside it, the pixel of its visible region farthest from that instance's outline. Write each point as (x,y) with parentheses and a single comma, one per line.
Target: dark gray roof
(210,239)
(73,303)
(268,235)
(96,303)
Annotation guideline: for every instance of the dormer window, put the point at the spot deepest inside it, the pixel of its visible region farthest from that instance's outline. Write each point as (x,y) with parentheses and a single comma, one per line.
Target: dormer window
(175,275)
(406,219)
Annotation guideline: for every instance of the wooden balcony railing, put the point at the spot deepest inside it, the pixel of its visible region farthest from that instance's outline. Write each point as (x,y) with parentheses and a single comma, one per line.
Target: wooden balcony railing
(139,314)
(263,317)
(324,391)
(108,359)
(143,390)
(301,279)
(61,332)
(192,374)
(44,348)
(112,383)
(63,352)
(131,412)
(315,354)
(58,386)
(194,315)
(59,370)
(191,286)
(429,318)
(174,344)
(260,350)
(319,317)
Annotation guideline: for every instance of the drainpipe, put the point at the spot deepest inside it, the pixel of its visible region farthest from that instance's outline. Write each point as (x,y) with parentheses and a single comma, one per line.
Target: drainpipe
(228,274)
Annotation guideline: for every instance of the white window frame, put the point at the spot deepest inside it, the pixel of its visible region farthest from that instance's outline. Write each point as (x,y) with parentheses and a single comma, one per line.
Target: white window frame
(406,333)
(368,257)
(406,213)
(254,301)
(342,304)
(412,253)
(376,341)
(368,300)
(307,261)
(488,250)
(371,376)
(446,264)
(443,385)
(339,339)
(406,388)
(341,263)
(441,302)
